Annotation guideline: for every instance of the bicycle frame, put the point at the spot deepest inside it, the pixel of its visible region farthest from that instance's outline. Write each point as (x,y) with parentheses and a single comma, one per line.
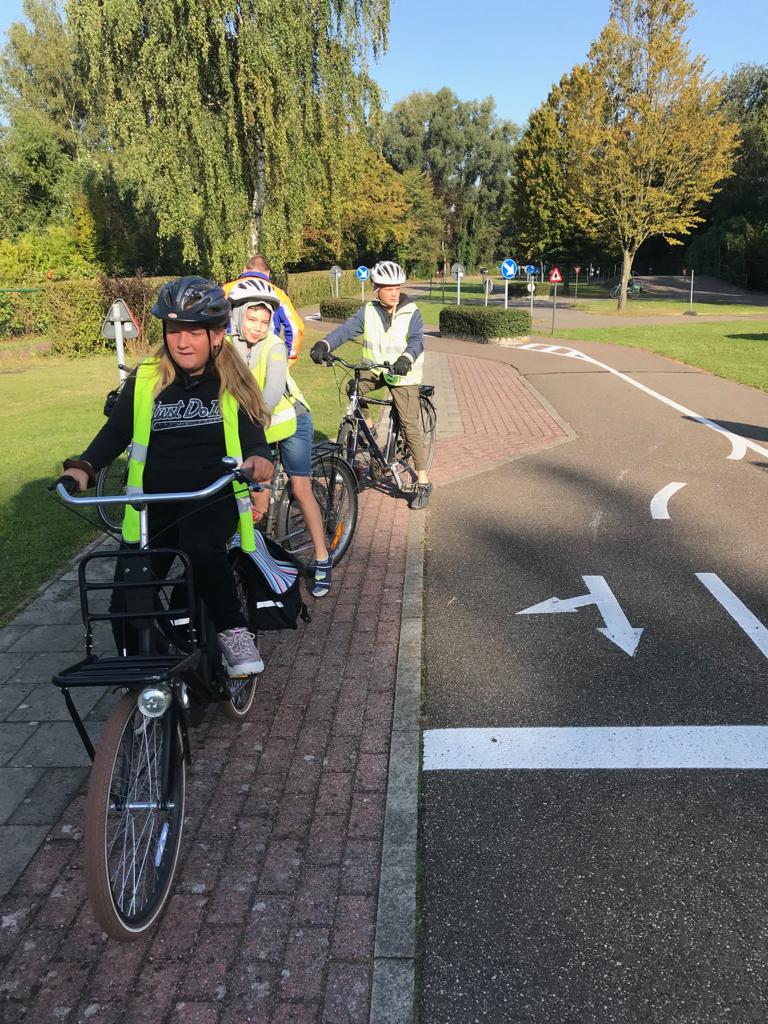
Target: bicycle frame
(354,416)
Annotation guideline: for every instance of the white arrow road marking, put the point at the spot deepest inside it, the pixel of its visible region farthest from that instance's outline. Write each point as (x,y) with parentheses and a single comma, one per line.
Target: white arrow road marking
(617,626)
(679,746)
(660,500)
(739,445)
(736,608)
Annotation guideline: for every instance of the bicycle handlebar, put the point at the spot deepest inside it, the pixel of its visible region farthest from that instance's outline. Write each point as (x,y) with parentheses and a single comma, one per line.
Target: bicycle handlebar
(330,358)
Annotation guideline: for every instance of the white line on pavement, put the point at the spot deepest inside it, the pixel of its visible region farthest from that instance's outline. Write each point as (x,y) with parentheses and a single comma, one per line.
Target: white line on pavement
(607,747)
(739,445)
(660,500)
(736,608)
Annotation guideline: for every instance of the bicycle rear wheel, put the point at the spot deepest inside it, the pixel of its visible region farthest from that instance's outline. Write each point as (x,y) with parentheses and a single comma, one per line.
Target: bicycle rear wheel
(334,486)
(134,819)
(112,480)
(239,705)
(428,427)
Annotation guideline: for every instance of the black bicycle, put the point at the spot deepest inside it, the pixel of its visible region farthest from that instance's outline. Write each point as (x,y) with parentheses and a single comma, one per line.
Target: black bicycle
(134,812)
(359,444)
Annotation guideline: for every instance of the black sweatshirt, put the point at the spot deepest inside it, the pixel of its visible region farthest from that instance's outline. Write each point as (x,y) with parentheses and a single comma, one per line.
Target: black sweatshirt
(186,443)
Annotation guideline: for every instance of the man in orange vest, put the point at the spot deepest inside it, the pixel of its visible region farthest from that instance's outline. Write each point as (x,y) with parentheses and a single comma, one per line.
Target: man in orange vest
(285,319)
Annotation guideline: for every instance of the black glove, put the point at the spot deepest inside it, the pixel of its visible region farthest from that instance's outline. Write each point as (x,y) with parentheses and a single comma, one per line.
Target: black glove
(402,366)
(69,483)
(319,352)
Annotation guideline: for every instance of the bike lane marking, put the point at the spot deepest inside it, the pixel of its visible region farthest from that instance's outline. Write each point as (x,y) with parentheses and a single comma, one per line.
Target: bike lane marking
(606,747)
(736,608)
(739,444)
(660,500)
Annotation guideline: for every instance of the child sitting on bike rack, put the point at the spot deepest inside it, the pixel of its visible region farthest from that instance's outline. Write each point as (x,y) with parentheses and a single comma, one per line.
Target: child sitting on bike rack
(182,410)
(254,302)
(393,332)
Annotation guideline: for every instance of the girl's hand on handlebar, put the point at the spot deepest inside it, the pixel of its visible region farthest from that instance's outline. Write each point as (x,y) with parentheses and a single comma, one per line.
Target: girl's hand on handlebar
(74,480)
(258,469)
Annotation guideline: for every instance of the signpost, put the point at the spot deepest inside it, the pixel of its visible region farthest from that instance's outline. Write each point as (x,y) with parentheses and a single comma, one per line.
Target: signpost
(508,270)
(555,278)
(363,273)
(576,292)
(690,308)
(531,286)
(335,273)
(120,324)
(458,270)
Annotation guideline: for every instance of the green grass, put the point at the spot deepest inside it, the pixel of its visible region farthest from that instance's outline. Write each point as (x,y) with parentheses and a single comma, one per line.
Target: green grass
(736,350)
(669,307)
(50,408)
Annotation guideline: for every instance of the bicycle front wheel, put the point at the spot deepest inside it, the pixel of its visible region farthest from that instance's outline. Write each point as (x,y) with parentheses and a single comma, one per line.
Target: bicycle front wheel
(112,480)
(334,486)
(134,818)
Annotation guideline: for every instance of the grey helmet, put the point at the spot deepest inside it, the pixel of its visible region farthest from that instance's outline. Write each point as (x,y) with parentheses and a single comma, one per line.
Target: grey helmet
(387,273)
(252,291)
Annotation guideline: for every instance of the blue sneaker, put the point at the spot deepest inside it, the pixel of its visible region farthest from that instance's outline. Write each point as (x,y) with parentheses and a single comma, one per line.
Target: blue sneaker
(322,581)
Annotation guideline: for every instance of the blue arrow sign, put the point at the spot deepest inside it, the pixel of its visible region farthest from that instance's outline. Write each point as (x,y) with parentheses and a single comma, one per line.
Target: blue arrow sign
(531,270)
(508,269)
(363,273)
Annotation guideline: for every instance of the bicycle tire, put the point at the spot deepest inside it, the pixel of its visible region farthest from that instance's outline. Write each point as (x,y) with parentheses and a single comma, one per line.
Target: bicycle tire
(428,418)
(110,480)
(125,764)
(615,291)
(334,485)
(238,707)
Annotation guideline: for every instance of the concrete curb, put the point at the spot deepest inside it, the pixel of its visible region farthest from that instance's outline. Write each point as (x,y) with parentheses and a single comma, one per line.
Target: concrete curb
(394,961)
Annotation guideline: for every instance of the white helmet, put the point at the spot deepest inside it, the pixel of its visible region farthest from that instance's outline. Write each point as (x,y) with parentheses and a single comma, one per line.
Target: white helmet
(387,273)
(254,291)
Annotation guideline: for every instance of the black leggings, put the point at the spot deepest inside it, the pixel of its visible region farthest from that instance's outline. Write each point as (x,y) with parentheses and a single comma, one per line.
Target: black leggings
(200,530)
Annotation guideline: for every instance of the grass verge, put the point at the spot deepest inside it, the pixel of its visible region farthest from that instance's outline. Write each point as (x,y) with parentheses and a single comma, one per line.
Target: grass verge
(737,350)
(669,307)
(49,409)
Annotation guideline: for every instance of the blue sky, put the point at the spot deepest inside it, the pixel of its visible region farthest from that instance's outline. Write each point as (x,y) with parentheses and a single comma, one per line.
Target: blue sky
(515,51)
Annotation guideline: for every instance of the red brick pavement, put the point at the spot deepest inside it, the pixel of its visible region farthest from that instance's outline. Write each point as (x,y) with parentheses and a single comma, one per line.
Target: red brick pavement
(502,419)
(272,919)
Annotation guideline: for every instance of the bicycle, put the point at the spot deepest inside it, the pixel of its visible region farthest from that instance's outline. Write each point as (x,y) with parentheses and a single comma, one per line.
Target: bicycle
(333,483)
(634,290)
(355,437)
(134,812)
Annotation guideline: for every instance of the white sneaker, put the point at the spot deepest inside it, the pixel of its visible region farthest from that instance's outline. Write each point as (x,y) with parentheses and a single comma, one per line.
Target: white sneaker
(239,653)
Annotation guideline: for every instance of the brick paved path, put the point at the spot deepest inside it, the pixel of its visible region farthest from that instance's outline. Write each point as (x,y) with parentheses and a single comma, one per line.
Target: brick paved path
(273,916)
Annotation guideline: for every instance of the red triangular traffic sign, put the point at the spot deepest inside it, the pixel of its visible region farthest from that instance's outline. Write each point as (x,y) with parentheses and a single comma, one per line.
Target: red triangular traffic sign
(555,277)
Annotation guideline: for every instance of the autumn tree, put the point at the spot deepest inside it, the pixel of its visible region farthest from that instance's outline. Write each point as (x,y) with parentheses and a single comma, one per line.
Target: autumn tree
(228,115)
(646,139)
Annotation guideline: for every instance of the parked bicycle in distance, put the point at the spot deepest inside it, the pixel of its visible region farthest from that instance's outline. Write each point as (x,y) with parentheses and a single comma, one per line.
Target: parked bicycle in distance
(358,442)
(134,812)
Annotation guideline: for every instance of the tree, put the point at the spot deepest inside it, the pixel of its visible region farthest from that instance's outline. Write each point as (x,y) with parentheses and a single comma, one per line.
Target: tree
(420,252)
(467,153)
(228,116)
(646,138)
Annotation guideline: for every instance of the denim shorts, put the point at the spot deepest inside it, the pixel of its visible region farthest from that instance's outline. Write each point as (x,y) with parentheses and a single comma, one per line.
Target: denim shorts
(296,450)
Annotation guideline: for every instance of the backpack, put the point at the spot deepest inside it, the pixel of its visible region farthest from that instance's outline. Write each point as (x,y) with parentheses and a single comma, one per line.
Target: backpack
(274,589)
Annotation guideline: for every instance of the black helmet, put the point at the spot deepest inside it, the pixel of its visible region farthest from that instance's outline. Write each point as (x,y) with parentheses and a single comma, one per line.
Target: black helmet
(195,300)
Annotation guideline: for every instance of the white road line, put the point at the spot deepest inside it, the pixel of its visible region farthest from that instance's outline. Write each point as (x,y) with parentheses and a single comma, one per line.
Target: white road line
(607,747)
(736,608)
(739,445)
(660,500)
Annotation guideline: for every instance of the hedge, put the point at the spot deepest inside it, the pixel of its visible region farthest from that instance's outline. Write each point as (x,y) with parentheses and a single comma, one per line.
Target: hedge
(484,322)
(22,312)
(339,309)
(76,311)
(314,286)
(520,288)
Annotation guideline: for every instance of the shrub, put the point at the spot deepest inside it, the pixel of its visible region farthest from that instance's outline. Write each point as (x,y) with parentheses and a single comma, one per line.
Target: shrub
(339,309)
(315,286)
(22,312)
(139,293)
(484,322)
(520,289)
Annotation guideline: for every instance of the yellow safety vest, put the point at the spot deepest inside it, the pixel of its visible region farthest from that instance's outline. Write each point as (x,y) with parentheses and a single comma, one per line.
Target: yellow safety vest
(143,407)
(386,345)
(283,422)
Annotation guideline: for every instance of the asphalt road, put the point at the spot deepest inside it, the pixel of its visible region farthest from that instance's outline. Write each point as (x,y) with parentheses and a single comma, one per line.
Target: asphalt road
(565,892)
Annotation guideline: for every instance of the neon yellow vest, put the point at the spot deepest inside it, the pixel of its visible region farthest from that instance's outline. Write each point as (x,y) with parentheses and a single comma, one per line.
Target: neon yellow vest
(283,422)
(143,407)
(382,345)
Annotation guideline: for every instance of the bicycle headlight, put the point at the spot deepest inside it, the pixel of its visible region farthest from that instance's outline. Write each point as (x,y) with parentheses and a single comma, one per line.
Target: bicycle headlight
(154,701)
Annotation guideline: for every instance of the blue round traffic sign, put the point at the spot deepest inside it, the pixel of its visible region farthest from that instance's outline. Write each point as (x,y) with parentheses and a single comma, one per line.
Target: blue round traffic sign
(531,270)
(508,269)
(363,273)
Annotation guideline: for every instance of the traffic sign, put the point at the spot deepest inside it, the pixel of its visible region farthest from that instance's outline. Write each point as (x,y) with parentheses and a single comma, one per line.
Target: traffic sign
(555,276)
(531,270)
(577,270)
(458,270)
(335,271)
(508,269)
(363,273)
(531,287)
(120,314)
